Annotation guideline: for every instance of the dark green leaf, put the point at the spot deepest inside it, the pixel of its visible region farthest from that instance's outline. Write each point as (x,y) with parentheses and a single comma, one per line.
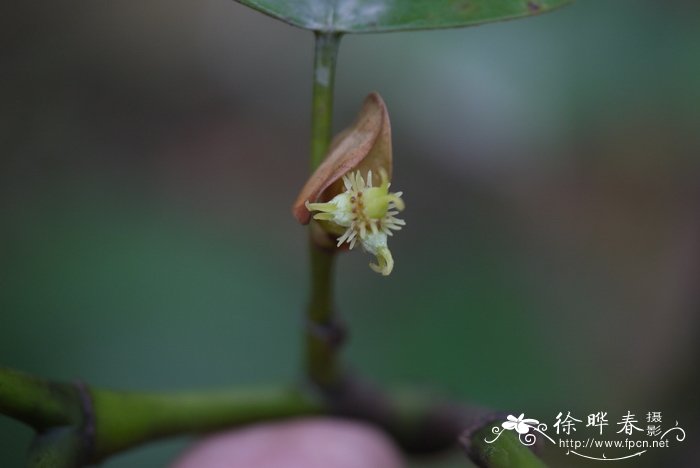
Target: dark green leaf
(358,16)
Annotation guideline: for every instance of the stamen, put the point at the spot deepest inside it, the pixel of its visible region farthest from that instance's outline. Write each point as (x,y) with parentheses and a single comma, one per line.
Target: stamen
(395,198)
(359,181)
(345,235)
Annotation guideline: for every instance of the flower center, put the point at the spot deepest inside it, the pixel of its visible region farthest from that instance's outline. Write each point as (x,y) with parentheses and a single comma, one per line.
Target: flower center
(367,213)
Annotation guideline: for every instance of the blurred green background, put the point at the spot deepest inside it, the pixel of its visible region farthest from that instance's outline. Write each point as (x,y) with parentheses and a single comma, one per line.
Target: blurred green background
(150,151)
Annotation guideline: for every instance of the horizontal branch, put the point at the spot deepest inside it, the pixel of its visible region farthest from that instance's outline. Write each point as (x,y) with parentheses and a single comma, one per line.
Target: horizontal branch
(105,422)
(37,402)
(80,425)
(124,420)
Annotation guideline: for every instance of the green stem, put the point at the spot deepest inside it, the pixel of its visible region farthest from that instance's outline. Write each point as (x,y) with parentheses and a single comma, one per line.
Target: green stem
(79,423)
(326,53)
(506,452)
(322,365)
(124,419)
(62,447)
(38,402)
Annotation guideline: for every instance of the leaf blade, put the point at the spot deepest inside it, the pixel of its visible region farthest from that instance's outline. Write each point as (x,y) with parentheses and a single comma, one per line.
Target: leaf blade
(366,16)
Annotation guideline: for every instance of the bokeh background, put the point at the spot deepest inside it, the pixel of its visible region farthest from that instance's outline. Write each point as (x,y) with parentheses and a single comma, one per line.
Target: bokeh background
(150,151)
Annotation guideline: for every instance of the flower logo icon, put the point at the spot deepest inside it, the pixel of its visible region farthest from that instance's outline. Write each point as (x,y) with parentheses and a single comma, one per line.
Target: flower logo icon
(521,425)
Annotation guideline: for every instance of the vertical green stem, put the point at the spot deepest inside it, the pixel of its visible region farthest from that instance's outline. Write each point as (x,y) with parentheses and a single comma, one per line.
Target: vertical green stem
(321,362)
(326,52)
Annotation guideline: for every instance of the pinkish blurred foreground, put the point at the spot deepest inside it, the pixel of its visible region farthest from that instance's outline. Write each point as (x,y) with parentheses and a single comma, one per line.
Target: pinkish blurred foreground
(307,443)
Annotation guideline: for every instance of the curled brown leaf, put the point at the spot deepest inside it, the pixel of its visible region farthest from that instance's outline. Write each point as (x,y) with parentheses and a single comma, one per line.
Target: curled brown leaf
(364,146)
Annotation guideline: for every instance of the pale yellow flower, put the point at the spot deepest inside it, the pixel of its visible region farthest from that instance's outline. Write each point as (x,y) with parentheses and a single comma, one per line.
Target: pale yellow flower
(368,215)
